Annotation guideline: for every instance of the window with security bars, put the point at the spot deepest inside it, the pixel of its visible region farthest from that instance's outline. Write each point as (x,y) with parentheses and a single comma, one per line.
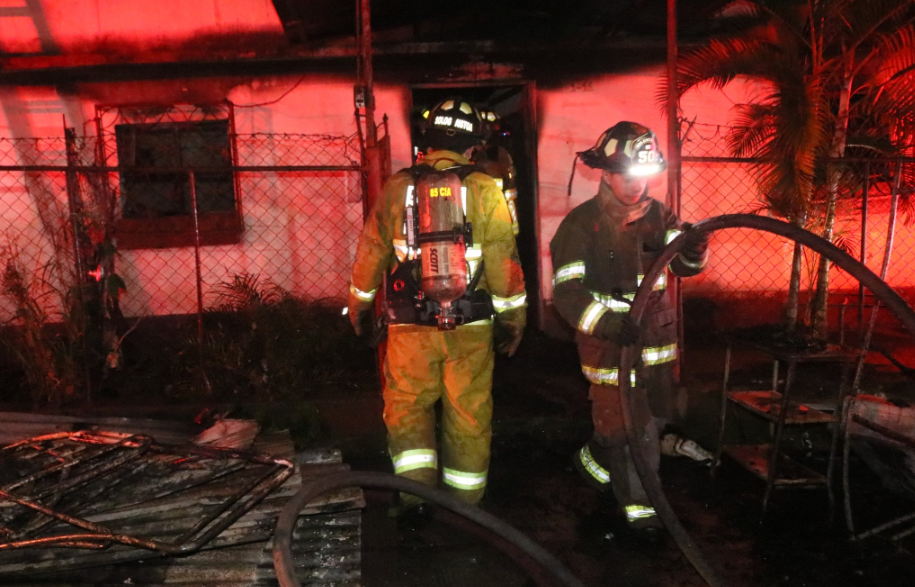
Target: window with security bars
(157,204)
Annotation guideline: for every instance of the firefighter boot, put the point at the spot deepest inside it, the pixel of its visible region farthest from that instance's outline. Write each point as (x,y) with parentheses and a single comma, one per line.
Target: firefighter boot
(646,527)
(674,445)
(412,518)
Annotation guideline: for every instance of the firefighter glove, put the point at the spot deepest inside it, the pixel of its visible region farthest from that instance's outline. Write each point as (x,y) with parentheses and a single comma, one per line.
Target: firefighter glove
(696,243)
(360,315)
(507,337)
(628,333)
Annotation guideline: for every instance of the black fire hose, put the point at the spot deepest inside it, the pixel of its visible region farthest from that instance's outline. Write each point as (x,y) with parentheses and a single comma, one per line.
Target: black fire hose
(633,402)
(282,538)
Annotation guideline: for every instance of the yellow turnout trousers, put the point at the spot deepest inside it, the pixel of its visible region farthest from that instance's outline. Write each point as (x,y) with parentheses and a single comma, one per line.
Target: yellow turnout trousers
(422,366)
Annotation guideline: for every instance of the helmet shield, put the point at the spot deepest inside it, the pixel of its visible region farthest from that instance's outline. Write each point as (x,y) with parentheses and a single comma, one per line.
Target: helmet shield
(627,147)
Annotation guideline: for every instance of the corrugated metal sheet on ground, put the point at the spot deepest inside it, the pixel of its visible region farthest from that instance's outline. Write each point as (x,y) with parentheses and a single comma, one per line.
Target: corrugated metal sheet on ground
(327,541)
(17,425)
(899,419)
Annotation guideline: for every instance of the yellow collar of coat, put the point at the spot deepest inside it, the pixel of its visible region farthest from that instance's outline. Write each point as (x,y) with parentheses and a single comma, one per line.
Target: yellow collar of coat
(442,159)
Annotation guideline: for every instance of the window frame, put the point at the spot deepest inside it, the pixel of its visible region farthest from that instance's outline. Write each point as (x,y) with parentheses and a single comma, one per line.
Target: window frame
(176,231)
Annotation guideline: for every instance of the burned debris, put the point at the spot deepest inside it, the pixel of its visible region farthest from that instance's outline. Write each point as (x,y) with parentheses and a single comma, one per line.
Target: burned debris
(76,507)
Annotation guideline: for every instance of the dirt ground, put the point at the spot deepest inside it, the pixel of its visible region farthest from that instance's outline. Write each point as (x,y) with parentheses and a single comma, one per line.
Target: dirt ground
(542,417)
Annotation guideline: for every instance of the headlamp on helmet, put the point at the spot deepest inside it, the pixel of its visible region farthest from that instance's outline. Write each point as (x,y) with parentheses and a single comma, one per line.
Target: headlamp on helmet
(627,147)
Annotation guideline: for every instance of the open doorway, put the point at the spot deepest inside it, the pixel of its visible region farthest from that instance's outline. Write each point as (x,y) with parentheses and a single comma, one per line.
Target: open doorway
(513,104)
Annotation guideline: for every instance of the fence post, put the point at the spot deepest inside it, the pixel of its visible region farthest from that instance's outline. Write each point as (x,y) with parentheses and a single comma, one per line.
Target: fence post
(74,204)
(193,184)
(864,196)
(673,155)
(75,207)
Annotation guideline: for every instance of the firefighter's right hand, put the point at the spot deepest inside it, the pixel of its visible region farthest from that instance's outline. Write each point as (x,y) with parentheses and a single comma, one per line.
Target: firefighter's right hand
(360,315)
(507,337)
(696,243)
(628,333)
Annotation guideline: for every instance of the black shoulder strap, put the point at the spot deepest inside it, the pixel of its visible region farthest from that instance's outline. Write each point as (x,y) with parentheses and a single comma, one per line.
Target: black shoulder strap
(465,170)
(418,171)
(462,171)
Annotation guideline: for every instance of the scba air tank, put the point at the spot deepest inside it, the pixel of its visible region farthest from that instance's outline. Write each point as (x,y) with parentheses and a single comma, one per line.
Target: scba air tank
(441,237)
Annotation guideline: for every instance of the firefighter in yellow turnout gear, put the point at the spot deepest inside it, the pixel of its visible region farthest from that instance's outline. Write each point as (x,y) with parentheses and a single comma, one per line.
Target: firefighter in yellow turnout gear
(495,160)
(426,361)
(600,253)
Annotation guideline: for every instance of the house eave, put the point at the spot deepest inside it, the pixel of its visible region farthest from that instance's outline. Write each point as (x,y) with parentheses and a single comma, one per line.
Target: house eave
(50,70)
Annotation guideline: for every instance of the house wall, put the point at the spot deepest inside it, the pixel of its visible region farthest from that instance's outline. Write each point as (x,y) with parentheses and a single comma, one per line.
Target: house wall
(299,228)
(81,27)
(569,116)
(281,210)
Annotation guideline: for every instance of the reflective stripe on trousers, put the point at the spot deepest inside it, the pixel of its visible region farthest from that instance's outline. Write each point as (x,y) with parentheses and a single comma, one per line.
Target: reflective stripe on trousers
(409,460)
(599,473)
(611,376)
(655,355)
(639,512)
(463,479)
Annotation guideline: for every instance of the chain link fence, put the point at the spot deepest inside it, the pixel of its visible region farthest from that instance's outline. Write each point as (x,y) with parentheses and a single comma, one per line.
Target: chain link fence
(750,270)
(34,225)
(287,208)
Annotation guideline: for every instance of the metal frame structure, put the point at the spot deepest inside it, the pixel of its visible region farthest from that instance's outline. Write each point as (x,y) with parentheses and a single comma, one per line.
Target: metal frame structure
(635,403)
(891,438)
(76,479)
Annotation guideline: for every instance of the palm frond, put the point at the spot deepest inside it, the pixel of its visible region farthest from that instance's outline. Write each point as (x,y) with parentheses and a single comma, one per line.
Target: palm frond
(865,18)
(754,126)
(825,21)
(846,240)
(892,91)
(790,16)
(800,141)
(907,207)
(784,187)
(246,290)
(792,147)
(869,142)
(742,9)
(760,206)
(721,61)
(823,120)
(896,54)
(896,108)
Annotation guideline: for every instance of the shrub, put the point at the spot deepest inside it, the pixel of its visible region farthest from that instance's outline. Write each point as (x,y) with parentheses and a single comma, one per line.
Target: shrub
(261,342)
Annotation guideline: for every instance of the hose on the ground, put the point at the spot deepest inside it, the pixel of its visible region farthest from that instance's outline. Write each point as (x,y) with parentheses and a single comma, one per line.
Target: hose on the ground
(637,402)
(284,562)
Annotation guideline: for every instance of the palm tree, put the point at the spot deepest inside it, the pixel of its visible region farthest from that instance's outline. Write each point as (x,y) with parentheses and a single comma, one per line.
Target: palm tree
(839,75)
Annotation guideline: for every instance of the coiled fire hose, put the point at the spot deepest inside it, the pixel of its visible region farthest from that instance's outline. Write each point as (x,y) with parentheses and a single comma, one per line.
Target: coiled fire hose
(634,403)
(284,563)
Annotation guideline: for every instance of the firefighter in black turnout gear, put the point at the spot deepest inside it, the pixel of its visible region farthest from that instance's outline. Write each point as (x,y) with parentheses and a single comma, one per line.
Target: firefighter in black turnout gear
(600,254)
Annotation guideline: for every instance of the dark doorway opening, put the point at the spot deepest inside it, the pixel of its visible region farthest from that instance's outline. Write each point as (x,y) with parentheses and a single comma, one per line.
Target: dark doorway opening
(513,104)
